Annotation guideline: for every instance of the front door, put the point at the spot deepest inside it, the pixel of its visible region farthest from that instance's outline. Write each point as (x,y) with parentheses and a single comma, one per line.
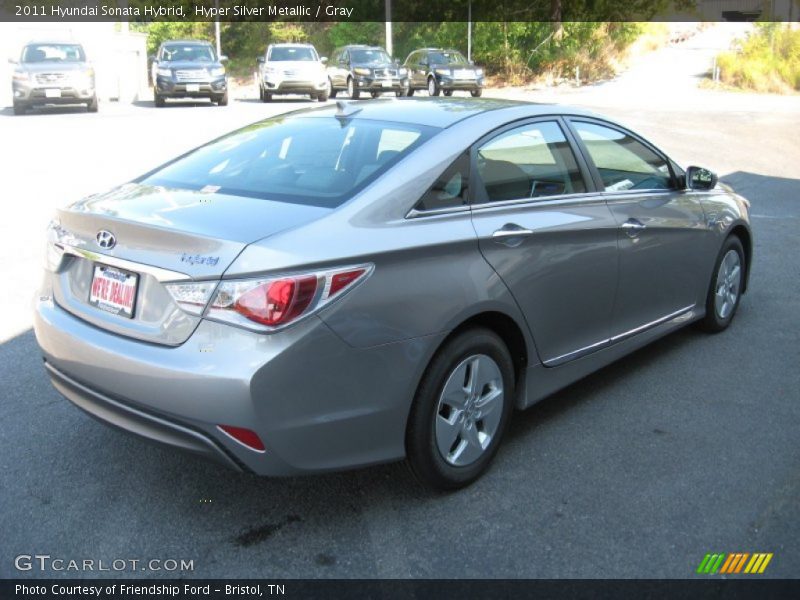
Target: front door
(551,239)
(661,229)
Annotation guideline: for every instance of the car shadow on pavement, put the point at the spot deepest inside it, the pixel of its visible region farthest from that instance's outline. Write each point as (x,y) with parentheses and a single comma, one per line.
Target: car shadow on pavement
(175,104)
(278,100)
(8,111)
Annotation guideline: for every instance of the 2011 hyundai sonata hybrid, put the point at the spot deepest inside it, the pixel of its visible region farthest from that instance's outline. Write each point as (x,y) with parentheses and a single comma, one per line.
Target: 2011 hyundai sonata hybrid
(361,283)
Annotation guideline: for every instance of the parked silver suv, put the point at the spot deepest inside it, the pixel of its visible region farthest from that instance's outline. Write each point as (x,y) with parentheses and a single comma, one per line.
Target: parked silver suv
(53,73)
(292,69)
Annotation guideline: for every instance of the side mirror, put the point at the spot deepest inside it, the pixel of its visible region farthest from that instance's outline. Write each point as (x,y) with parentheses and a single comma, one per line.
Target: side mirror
(698,178)
(324,60)
(260,60)
(223,58)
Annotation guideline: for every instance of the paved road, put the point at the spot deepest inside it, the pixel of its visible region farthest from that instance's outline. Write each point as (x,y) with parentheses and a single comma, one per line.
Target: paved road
(686,447)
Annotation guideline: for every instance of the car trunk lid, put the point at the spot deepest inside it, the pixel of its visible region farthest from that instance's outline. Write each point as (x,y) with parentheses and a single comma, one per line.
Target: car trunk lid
(159,235)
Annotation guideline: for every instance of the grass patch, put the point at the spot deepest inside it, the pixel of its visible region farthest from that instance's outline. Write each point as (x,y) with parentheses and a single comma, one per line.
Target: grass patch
(767,60)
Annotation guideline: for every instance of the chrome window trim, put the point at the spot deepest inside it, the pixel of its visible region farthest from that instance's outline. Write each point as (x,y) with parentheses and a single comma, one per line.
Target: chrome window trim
(416,214)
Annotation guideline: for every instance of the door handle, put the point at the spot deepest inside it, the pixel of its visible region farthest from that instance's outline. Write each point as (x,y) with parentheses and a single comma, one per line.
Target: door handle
(633,227)
(509,231)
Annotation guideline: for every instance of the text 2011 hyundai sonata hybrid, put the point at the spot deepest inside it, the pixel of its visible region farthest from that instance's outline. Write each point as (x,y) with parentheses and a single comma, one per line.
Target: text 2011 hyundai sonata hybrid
(360,283)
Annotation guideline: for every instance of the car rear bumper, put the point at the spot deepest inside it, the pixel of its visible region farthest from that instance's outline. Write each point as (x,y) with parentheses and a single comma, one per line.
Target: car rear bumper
(317,403)
(156,428)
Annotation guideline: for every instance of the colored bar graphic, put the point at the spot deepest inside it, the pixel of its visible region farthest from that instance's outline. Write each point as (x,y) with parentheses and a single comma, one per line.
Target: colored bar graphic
(734,562)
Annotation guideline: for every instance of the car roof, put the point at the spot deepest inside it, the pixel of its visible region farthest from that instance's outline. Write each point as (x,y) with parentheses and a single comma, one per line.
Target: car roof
(436,112)
(198,42)
(291,44)
(50,41)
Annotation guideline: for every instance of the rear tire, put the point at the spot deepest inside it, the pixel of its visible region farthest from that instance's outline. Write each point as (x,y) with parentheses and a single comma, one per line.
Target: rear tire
(433,87)
(448,93)
(476,93)
(461,410)
(725,288)
(409,92)
(93,106)
(375,95)
(323,97)
(332,91)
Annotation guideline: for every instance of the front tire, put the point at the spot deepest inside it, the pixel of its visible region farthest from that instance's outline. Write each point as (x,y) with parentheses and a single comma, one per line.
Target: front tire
(448,93)
(93,106)
(20,109)
(461,410)
(476,93)
(323,97)
(352,89)
(725,289)
(409,92)
(433,87)
(332,91)
(159,100)
(223,100)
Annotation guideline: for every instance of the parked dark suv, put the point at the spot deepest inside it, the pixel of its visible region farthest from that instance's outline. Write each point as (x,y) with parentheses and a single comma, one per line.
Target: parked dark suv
(53,73)
(359,68)
(439,70)
(189,69)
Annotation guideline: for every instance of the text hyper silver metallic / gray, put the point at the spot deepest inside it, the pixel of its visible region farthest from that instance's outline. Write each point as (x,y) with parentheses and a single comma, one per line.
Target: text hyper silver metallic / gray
(361,283)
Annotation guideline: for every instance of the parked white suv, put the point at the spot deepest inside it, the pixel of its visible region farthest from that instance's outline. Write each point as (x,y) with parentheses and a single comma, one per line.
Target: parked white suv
(292,69)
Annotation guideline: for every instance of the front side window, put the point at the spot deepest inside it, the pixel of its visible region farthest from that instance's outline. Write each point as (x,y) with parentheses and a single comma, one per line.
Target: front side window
(290,53)
(532,161)
(624,163)
(53,53)
(314,161)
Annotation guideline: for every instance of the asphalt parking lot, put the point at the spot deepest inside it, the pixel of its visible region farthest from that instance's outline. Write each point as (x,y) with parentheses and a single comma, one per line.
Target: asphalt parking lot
(686,447)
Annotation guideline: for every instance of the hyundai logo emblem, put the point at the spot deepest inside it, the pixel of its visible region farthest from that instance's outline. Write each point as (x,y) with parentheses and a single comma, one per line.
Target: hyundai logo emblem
(106,239)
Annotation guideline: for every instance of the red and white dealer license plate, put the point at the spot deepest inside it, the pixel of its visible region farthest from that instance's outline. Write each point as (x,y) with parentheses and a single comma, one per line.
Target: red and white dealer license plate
(113,290)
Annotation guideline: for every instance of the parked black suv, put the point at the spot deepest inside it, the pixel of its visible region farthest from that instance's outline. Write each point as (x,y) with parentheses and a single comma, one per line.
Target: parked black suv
(189,69)
(359,68)
(439,70)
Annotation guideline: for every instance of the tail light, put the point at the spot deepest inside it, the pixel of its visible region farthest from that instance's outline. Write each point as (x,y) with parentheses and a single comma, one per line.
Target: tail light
(270,303)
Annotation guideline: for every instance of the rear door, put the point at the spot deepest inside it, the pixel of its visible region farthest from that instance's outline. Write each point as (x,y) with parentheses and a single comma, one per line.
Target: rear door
(551,239)
(661,229)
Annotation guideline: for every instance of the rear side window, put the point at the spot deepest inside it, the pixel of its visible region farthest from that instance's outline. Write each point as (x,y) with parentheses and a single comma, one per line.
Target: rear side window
(451,189)
(531,161)
(315,161)
(624,163)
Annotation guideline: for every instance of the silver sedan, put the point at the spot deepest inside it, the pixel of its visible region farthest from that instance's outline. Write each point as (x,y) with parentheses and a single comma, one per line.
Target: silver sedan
(362,283)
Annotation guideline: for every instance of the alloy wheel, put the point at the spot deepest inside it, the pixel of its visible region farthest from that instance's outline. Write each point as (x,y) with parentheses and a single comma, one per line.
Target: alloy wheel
(729,279)
(469,411)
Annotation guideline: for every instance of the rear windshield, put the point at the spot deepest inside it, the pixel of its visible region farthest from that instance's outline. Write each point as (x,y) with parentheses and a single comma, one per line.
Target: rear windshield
(187,52)
(313,161)
(39,53)
(293,53)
